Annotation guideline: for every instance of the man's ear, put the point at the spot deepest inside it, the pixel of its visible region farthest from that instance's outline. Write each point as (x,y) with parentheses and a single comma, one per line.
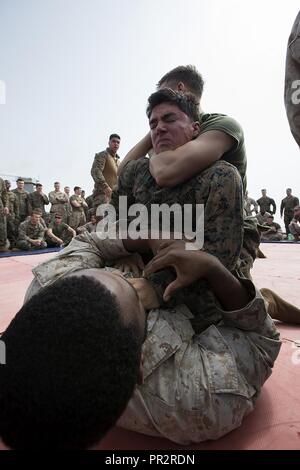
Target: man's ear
(196,129)
(181,87)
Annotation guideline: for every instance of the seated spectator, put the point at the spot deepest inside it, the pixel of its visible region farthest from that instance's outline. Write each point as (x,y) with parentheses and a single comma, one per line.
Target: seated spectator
(262,217)
(274,233)
(295,224)
(31,233)
(90,226)
(59,233)
(42,219)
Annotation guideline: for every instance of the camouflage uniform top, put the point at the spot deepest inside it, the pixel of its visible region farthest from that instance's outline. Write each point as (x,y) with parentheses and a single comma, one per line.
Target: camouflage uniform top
(28,230)
(262,219)
(13,205)
(248,203)
(237,154)
(42,222)
(79,200)
(38,201)
(104,170)
(265,203)
(3,195)
(196,387)
(89,201)
(23,200)
(292,76)
(288,204)
(237,157)
(219,189)
(59,201)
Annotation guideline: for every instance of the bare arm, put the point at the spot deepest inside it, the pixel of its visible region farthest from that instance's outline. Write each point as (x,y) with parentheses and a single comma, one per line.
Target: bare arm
(139,150)
(173,167)
(74,203)
(72,231)
(53,237)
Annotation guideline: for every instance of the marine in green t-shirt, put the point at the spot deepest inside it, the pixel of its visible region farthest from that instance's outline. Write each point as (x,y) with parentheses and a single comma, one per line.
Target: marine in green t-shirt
(59,233)
(236,155)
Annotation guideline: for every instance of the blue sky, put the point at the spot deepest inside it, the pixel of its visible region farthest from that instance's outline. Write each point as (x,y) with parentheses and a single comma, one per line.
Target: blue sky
(75,71)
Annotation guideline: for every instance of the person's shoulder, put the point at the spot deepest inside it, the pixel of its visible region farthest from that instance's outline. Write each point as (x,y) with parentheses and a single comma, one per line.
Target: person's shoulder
(222,169)
(134,166)
(102,154)
(218,119)
(225,166)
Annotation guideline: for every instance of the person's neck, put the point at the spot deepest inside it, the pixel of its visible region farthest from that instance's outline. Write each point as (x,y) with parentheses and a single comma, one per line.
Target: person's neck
(112,152)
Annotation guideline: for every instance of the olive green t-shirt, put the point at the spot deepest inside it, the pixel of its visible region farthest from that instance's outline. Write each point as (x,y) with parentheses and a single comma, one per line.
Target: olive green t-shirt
(59,229)
(237,154)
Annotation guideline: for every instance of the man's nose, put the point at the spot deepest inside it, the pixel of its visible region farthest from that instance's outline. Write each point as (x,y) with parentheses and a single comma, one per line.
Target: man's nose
(161,127)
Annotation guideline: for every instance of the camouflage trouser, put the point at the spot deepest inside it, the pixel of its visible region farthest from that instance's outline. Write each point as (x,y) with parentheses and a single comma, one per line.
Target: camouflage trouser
(98,199)
(77,219)
(250,246)
(292,80)
(288,217)
(3,229)
(12,230)
(25,245)
(274,237)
